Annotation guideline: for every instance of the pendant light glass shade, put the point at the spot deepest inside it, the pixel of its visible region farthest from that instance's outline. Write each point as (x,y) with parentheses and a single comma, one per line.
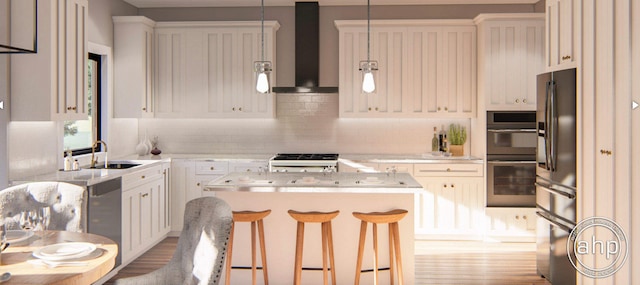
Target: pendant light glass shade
(263,69)
(368,80)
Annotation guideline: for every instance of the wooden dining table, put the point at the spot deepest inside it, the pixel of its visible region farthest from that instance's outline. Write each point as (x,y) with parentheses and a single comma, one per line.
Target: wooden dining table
(17,259)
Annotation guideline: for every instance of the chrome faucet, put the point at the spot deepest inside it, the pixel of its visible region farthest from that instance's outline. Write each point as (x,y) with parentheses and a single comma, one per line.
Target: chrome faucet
(93,153)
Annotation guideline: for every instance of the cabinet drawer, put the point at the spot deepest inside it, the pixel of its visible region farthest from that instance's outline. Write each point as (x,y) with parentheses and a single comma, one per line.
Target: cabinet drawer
(440,170)
(140,177)
(212,167)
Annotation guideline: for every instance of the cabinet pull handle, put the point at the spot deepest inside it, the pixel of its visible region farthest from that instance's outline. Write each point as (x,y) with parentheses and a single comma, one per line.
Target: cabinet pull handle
(72,108)
(566,57)
(145,195)
(607,152)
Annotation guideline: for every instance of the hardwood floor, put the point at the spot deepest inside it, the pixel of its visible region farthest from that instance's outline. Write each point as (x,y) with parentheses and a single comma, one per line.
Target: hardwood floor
(437,262)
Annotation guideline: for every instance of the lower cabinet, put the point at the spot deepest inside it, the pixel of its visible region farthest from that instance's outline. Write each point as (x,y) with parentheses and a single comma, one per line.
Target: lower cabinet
(511,224)
(144,211)
(452,203)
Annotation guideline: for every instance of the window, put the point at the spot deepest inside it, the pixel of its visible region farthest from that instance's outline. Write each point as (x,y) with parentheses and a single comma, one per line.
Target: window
(80,135)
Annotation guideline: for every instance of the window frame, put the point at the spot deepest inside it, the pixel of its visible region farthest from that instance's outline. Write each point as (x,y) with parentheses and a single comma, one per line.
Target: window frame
(97,106)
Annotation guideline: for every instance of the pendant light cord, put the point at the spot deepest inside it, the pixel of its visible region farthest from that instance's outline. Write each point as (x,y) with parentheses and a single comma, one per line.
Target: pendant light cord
(262,27)
(368,30)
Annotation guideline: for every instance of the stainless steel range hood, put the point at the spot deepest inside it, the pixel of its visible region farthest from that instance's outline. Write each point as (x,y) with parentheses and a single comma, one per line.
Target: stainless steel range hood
(307,52)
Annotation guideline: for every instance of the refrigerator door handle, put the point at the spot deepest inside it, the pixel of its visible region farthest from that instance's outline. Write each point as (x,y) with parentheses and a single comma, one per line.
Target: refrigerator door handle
(547,130)
(554,191)
(559,225)
(554,127)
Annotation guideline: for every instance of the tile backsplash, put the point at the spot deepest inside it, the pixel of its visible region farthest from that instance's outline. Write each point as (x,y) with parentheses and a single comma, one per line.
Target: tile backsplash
(304,123)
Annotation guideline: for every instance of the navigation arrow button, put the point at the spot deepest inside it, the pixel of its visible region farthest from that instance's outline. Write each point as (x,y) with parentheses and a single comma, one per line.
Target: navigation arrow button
(634,105)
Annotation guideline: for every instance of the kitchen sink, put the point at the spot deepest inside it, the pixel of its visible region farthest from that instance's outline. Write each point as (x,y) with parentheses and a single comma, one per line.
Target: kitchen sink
(115,165)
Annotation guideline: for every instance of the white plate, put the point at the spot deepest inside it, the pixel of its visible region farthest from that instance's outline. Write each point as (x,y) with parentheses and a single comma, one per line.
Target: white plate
(64,251)
(15,236)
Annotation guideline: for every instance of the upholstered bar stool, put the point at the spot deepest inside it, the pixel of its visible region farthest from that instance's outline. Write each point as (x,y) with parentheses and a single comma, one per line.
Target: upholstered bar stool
(255,218)
(327,243)
(391,218)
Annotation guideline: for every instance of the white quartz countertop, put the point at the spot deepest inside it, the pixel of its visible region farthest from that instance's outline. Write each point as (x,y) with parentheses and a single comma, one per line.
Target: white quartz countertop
(335,182)
(409,158)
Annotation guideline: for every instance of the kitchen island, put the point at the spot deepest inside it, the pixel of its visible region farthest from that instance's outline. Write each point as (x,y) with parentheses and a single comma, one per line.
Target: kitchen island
(346,192)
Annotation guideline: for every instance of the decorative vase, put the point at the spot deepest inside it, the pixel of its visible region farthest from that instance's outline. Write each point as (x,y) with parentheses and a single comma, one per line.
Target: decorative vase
(147,142)
(142,148)
(456,150)
(155,151)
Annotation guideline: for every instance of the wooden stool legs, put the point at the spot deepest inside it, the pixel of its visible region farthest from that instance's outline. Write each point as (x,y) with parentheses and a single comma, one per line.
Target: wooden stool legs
(327,244)
(256,219)
(395,255)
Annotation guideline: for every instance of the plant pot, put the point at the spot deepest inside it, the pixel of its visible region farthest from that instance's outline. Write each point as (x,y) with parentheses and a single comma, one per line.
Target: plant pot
(456,150)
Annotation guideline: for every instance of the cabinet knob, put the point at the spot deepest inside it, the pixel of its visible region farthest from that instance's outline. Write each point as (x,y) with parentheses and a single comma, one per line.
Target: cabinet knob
(233,109)
(446,108)
(143,177)
(448,169)
(144,109)
(240,109)
(517,101)
(517,217)
(198,184)
(445,186)
(524,100)
(212,168)
(453,185)
(439,109)
(376,108)
(524,217)
(369,108)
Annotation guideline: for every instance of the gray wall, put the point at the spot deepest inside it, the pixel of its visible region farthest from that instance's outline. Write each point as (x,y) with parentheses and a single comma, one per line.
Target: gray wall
(285,64)
(100,24)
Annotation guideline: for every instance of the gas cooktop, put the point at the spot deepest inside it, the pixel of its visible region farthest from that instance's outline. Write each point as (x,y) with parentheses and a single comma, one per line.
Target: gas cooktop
(306,156)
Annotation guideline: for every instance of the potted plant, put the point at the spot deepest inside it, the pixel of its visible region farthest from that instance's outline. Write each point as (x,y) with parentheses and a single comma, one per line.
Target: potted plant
(457,136)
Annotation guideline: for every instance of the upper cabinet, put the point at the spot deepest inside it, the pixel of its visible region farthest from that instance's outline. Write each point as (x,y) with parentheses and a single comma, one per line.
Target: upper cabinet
(426,68)
(52,84)
(561,34)
(206,69)
(511,55)
(133,67)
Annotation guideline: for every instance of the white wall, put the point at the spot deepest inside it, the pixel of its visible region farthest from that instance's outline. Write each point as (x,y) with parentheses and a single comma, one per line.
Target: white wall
(4,95)
(304,123)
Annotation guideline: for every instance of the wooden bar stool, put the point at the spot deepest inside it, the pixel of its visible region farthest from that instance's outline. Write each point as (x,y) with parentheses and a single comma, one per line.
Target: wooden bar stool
(391,217)
(254,218)
(327,242)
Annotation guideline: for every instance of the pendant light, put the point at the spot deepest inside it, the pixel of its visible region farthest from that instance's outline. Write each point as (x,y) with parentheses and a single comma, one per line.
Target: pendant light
(262,68)
(368,66)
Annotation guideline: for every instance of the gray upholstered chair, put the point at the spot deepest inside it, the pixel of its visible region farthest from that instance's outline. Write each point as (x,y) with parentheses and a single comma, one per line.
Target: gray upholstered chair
(201,250)
(67,202)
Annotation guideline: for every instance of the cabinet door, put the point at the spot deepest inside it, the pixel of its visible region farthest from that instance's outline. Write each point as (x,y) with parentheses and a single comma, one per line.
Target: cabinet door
(458,93)
(450,206)
(511,224)
(170,73)
(388,47)
(424,68)
(560,33)
(513,56)
(59,67)
(132,213)
(182,183)
(353,49)
(133,67)
(145,193)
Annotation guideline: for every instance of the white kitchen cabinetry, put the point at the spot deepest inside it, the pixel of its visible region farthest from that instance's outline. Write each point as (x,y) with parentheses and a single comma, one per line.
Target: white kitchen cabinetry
(511,224)
(561,33)
(143,209)
(206,69)
(52,84)
(133,67)
(248,166)
(426,68)
(511,54)
(452,203)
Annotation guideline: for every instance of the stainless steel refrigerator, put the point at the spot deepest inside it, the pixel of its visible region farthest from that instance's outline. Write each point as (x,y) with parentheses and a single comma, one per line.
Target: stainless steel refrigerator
(556,174)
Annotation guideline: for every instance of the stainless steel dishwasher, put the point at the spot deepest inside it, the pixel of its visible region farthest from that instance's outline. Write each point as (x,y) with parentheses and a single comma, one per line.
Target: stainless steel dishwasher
(104,213)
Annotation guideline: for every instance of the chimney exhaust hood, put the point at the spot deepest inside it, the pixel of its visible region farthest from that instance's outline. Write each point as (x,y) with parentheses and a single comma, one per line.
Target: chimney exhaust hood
(306,51)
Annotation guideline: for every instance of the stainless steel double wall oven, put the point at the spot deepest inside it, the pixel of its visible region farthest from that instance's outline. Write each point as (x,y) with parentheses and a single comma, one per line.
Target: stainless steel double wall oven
(511,158)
